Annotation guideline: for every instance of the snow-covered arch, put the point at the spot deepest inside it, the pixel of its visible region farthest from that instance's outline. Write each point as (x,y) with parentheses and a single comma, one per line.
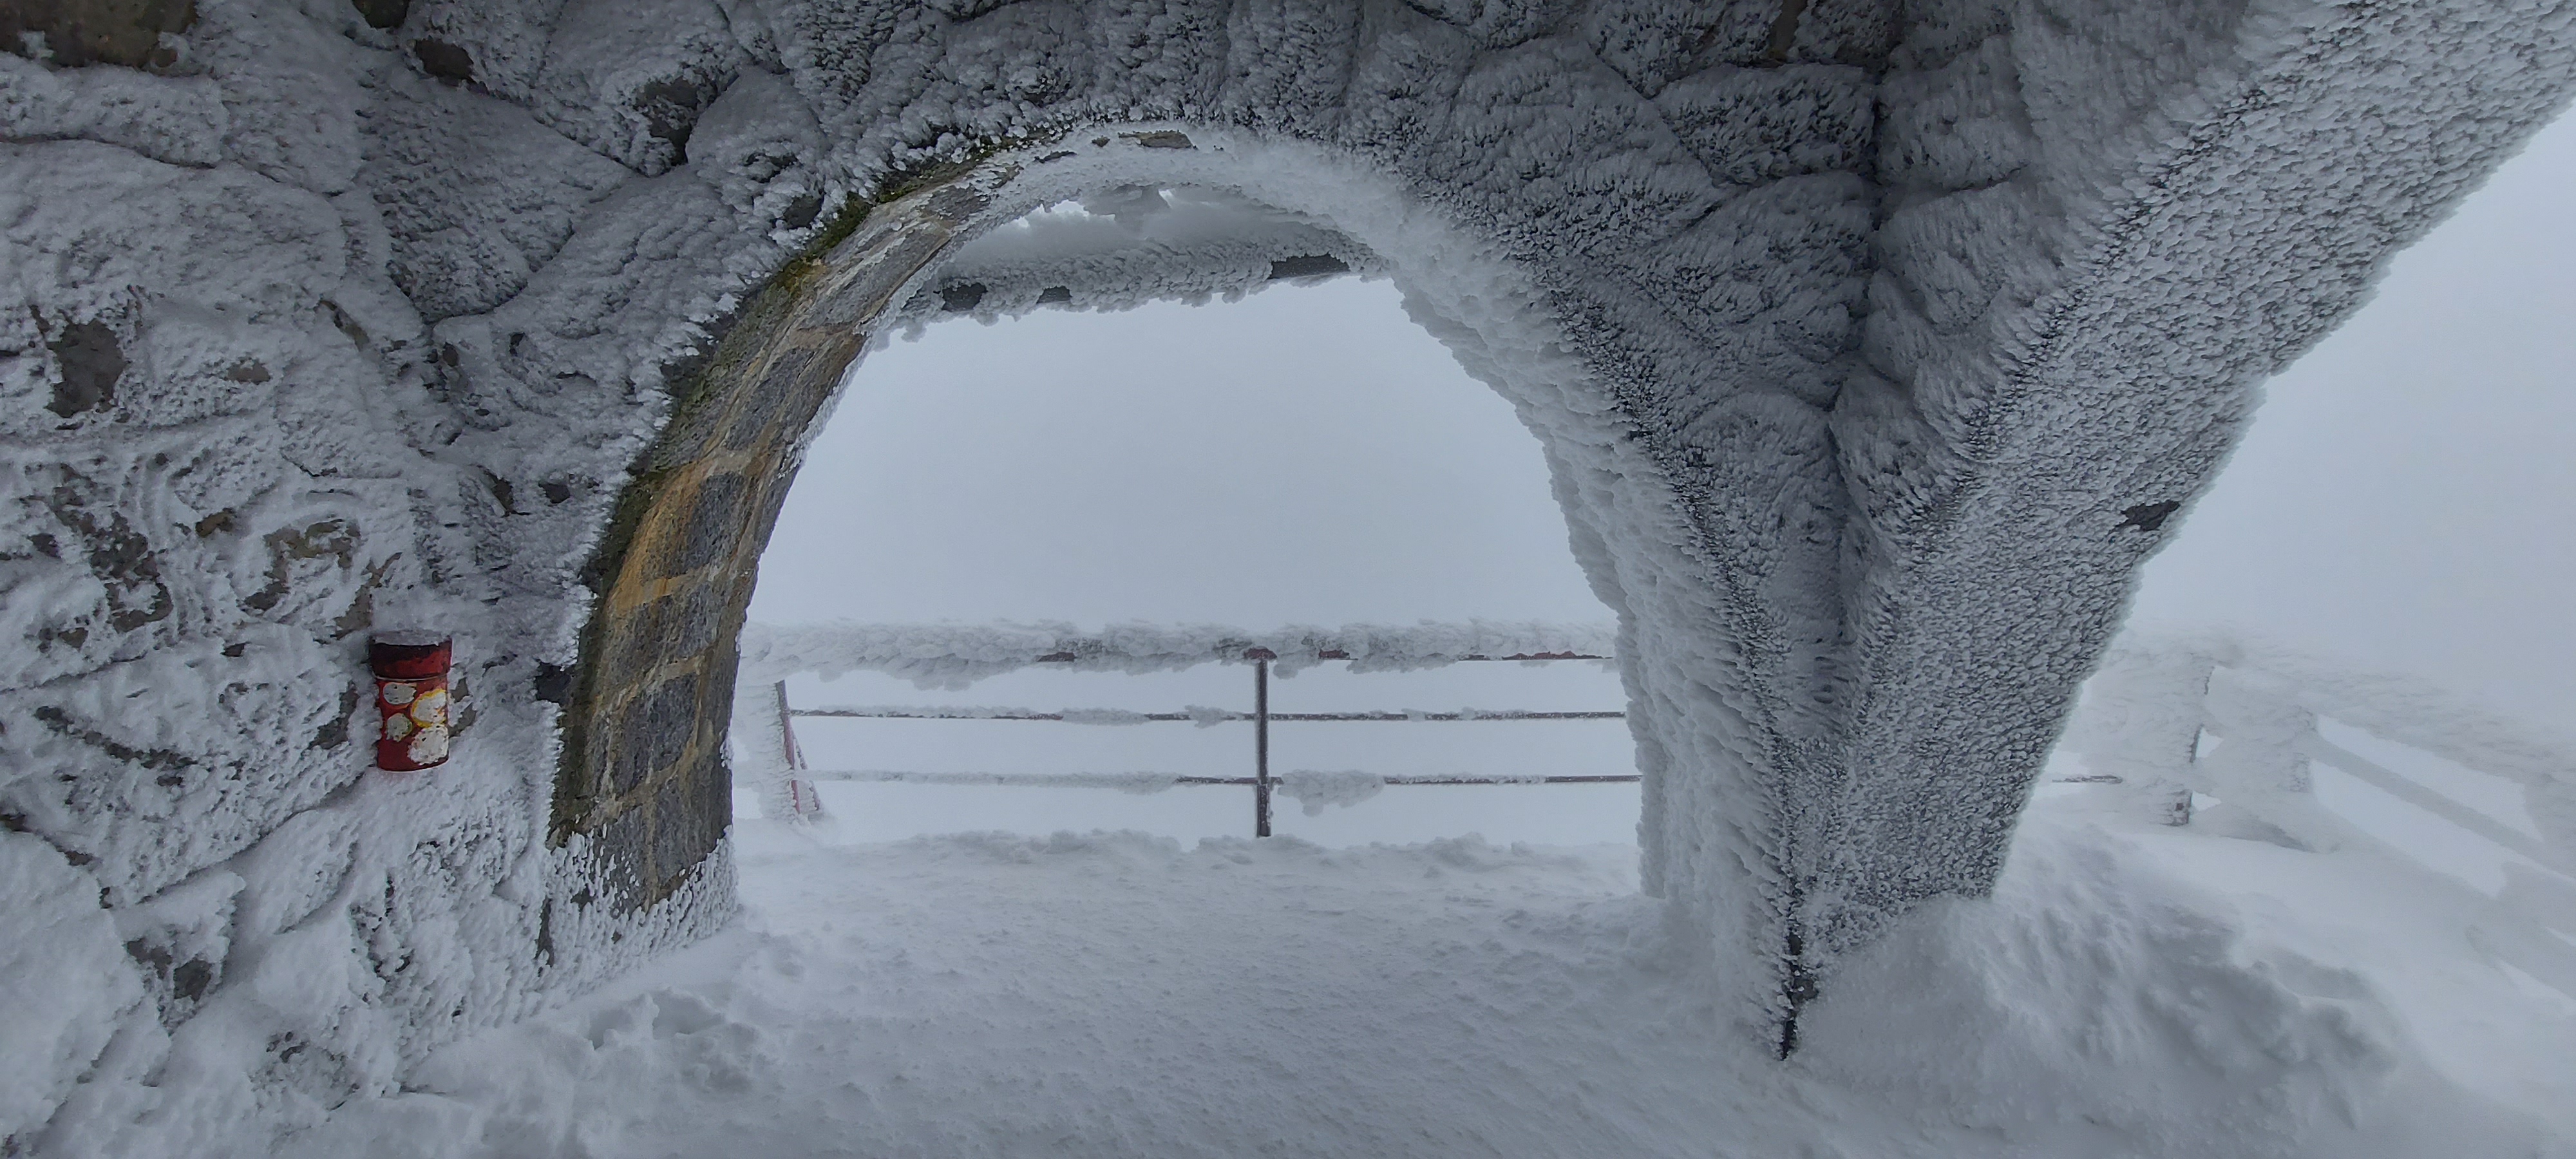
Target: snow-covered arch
(678,566)
(1884,342)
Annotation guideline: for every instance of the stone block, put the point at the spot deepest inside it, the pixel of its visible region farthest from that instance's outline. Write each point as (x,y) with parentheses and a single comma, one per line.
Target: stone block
(689,815)
(714,527)
(653,732)
(880,274)
(757,417)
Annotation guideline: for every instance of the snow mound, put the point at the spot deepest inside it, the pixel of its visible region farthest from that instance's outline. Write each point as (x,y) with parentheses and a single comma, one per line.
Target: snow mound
(67,975)
(2092,1001)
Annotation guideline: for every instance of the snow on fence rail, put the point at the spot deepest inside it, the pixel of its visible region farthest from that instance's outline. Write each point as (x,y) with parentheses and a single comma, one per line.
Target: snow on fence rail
(2143,730)
(954,656)
(2158,699)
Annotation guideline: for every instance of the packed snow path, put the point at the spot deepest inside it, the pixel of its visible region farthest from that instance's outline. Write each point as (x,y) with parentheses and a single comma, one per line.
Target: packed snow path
(1120,996)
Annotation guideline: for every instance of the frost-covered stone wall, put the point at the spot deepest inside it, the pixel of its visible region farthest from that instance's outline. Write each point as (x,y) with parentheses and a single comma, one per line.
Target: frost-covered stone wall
(1872,347)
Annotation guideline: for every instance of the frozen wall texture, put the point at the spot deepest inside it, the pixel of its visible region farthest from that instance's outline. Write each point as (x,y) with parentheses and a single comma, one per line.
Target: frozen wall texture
(1873,346)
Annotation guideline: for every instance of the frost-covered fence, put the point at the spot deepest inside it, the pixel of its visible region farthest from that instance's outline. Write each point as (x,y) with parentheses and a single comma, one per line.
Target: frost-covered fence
(2214,728)
(949,656)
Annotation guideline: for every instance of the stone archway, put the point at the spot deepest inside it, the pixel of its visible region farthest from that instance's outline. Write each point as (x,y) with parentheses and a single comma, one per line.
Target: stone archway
(641,792)
(642,781)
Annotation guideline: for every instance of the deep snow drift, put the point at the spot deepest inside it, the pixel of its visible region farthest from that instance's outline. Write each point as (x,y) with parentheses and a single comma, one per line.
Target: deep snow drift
(2125,993)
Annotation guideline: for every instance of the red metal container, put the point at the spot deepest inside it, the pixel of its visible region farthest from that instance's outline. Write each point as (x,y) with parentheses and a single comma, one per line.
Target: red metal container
(411,699)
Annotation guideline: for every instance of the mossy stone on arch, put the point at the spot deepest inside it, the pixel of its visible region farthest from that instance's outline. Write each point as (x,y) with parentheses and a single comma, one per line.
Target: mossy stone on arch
(643,767)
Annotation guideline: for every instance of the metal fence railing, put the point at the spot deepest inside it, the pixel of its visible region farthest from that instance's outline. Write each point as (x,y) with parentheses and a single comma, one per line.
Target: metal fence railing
(791,776)
(2169,726)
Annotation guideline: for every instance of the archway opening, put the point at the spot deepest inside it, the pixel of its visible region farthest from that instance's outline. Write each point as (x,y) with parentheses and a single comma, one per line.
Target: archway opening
(1306,455)
(641,797)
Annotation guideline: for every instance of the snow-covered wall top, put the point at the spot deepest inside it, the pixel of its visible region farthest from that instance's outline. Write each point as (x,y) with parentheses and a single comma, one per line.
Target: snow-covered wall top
(1872,347)
(956,655)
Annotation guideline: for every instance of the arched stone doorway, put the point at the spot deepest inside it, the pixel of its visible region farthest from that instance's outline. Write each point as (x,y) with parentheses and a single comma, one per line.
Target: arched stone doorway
(642,779)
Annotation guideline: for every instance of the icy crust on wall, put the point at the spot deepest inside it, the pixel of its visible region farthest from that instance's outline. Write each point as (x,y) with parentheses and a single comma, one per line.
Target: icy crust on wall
(1870,354)
(2113,227)
(232,446)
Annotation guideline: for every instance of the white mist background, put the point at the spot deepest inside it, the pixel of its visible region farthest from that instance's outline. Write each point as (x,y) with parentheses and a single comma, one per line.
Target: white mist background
(1309,455)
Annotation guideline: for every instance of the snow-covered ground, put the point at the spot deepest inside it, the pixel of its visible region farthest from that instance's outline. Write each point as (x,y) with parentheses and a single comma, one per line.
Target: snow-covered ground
(2131,990)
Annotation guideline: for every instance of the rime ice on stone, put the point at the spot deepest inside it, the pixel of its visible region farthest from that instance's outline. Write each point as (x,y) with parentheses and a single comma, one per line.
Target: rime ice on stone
(1851,338)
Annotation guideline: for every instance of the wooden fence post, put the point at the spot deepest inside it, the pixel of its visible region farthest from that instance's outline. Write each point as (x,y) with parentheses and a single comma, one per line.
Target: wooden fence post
(2143,725)
(803,803)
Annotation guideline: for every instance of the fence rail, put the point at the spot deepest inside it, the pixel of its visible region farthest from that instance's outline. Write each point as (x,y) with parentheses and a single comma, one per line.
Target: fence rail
(1113,716)
(956,655)
(1145,780)
(2169,723)
(2150,716)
